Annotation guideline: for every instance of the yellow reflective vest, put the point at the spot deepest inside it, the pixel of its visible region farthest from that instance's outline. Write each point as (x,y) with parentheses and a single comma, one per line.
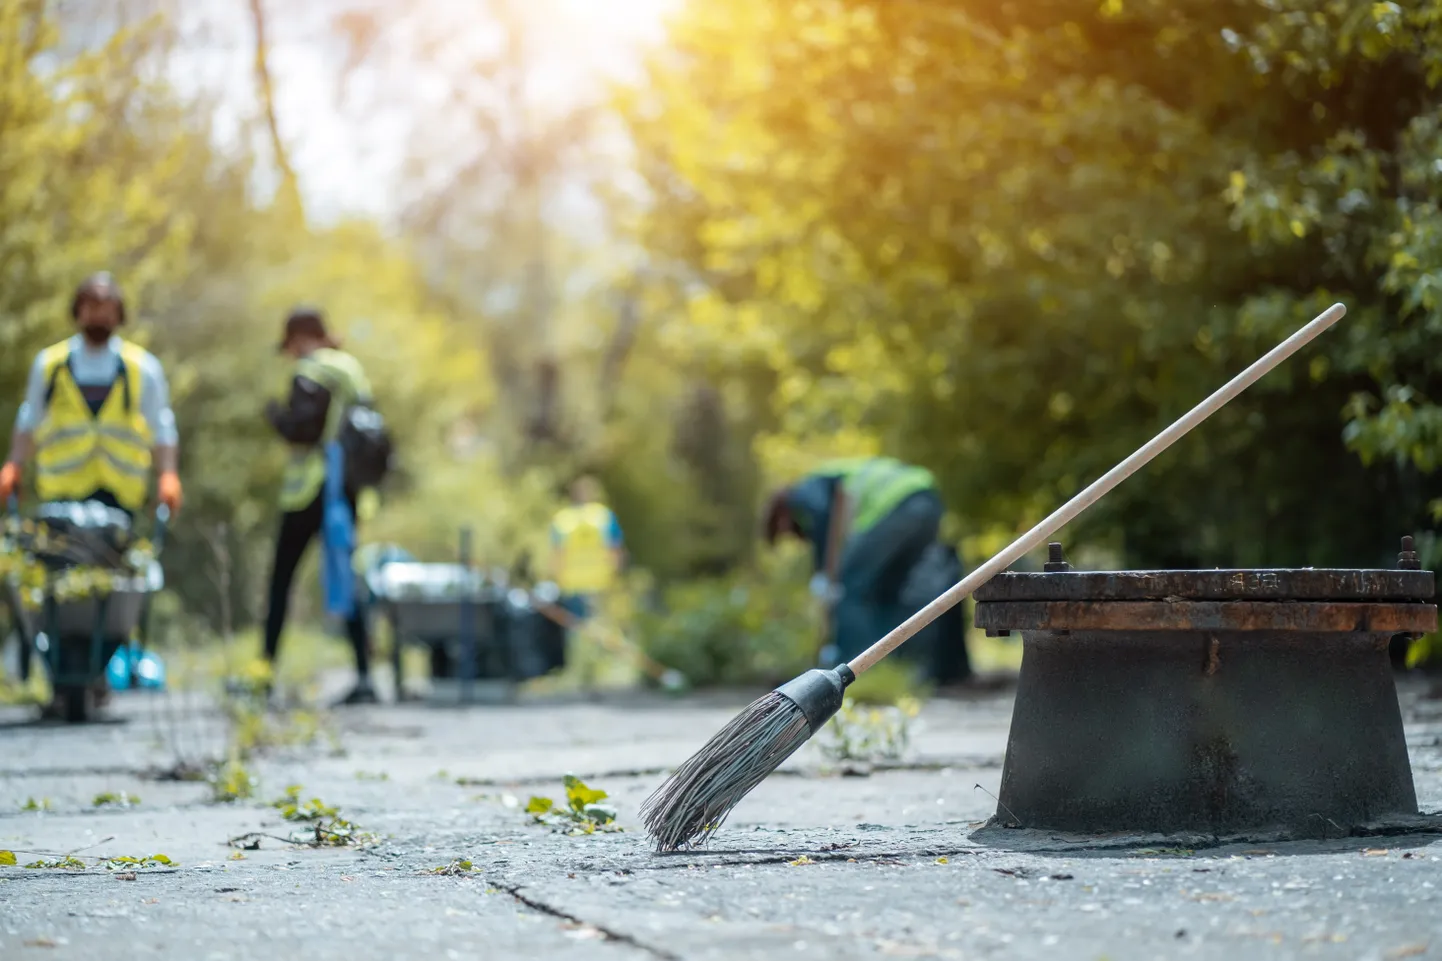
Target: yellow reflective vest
(874,486)
(586,563)
(78,453)
(345,379)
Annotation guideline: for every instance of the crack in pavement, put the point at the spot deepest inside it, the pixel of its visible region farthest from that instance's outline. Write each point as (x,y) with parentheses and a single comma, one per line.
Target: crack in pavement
(514,890)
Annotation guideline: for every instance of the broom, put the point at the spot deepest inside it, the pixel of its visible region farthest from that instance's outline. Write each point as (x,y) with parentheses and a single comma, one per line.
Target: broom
(696,800)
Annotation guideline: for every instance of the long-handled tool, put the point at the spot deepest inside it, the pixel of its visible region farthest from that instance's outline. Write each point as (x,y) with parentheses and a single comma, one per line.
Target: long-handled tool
(836,528)
(698,797)
(670,679)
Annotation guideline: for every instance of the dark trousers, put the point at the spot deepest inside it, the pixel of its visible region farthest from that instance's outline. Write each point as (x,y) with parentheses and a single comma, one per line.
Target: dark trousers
(297,530)
(874,568)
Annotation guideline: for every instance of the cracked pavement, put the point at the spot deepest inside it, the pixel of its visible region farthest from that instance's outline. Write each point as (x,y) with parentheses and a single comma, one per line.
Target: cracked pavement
(815,863)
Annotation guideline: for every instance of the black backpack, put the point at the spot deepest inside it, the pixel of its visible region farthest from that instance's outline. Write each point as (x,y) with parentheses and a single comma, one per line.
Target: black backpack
(365,443)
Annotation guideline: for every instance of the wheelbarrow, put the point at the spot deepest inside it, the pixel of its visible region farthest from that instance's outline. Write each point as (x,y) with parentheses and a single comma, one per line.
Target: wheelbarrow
(83,638)
(462,617)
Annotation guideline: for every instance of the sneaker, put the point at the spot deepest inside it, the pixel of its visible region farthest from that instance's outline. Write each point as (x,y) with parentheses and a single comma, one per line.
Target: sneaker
(362,693)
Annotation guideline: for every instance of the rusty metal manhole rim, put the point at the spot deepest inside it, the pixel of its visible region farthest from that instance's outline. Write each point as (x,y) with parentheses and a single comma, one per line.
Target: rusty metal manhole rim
(1256,584)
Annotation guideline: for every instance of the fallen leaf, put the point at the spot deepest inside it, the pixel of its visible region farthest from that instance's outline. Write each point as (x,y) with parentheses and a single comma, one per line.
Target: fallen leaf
(237,856)
(1374,853)
(346,877)
(7,858)
(942,861)
(1407,951)
(800,861)
(125,876)
(41,943)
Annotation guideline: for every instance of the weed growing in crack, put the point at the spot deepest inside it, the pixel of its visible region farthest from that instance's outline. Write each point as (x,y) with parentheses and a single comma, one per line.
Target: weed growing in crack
(583,812)
(326,828)
(115,799)
(456,869)
(69,862)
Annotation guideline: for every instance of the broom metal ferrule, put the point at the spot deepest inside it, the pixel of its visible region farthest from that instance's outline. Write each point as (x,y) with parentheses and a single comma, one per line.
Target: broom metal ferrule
(818,693)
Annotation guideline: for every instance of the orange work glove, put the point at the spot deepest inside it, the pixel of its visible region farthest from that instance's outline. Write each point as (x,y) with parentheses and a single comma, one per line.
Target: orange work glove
(169,491)
(9,481)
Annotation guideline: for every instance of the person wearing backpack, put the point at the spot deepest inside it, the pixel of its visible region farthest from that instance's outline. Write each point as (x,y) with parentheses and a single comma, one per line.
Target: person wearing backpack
(96,417)
(338,448)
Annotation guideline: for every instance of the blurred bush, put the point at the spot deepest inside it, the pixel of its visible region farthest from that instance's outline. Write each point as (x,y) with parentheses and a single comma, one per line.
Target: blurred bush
(755,626)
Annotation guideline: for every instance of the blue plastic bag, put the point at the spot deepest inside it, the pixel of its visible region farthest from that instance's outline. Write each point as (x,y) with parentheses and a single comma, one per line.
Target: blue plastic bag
(337,539)
(149,671)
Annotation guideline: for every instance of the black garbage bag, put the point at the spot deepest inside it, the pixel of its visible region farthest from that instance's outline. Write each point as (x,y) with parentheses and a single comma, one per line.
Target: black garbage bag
(940,649)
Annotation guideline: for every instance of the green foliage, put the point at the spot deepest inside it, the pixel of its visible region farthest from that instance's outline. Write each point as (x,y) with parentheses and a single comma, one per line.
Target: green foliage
(583,812)
(326,827)
(118,799)
(230,781)
(1011,242)
(457,868)
(33,805)
(292,808)
(888,684)
(748,627)
(869,734)
(124,863)
(68,862)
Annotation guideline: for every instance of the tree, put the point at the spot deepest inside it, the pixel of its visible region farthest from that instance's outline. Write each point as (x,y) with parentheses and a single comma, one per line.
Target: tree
(1013,242)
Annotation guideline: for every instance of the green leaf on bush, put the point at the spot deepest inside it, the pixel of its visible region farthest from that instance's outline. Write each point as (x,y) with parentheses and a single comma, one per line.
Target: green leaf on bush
(540,805)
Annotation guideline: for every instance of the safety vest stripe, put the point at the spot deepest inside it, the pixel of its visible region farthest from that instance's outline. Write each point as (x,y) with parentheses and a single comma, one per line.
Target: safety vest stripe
(74,463)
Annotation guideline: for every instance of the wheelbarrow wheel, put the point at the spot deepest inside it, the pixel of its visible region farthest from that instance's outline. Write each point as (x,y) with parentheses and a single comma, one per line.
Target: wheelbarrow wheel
(77,703)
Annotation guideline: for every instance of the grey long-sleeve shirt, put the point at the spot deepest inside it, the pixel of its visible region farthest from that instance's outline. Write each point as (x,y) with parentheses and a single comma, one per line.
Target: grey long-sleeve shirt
(94,367)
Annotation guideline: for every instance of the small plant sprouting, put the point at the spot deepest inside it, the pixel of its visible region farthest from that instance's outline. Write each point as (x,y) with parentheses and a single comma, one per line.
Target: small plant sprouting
(115,799)
(230,782)
(457,868)
(583,812)
(327,828)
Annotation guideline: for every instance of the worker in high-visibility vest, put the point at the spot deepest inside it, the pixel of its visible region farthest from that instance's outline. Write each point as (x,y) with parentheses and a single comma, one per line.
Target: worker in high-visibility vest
(586,549)
(326,382)
(96,418)
(890,513)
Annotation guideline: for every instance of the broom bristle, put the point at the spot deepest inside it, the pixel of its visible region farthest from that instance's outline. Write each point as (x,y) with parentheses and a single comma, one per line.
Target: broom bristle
(698,797)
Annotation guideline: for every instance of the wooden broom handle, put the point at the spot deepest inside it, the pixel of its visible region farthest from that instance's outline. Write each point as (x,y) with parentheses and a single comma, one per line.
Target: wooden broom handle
(1098,489)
